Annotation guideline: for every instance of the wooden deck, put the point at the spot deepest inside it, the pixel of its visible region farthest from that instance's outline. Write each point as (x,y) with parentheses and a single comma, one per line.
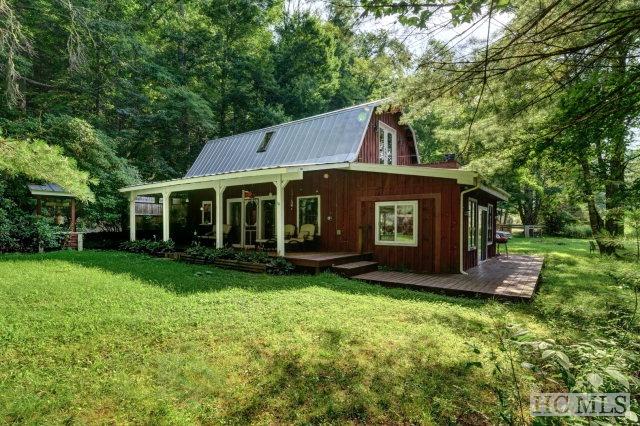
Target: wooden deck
(512,278)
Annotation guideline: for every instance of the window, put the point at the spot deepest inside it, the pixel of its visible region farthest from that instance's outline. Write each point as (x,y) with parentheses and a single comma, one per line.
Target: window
(472,224)
(265,142)
(490,231)
(309,211)
(397,223)
(386,144)
(207,212)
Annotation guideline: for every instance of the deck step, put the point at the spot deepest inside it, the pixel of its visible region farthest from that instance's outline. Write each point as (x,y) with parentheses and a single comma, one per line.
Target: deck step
(355,268)
(319,261)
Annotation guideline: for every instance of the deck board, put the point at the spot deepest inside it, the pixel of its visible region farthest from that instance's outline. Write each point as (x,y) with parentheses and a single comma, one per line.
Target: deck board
(515,278)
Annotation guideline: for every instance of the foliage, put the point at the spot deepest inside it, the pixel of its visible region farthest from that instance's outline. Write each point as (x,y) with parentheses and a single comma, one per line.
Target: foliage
(97,157)
(633,217)
(99,95)
(155,248)
(104,240)
(279,266)
(42,162)
(211,254)
(576,230)
(557,83)
(275,265)
(20,232)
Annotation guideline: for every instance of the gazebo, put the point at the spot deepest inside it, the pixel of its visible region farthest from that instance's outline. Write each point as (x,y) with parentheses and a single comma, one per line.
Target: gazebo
(51,201)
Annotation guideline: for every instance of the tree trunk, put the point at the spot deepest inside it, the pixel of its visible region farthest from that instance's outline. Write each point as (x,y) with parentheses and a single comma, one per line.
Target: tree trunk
(595,219)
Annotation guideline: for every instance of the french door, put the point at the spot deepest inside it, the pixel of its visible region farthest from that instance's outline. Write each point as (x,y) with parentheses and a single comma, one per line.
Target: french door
(256,221)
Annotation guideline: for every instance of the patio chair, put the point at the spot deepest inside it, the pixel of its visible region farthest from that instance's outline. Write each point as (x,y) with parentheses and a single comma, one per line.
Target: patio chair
(225,233)
(306,234)
(289,230)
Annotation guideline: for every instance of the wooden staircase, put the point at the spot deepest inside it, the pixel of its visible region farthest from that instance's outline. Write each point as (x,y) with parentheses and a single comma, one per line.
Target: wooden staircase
(320,261)
(355,268)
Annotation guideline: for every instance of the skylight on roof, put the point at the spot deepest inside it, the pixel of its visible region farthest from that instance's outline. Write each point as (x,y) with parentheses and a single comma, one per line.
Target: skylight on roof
(265,142)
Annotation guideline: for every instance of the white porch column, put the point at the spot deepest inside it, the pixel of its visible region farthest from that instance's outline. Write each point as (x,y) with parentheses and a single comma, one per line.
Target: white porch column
(132,216)
(280,185)
(166,207)
(219,215)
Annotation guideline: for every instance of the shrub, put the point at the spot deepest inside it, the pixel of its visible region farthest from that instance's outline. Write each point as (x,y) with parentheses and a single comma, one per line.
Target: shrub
(24,232)
(148,247)
(211,254)
(253,256)
(578,230)
(279,266)
(275,265)
(104,240)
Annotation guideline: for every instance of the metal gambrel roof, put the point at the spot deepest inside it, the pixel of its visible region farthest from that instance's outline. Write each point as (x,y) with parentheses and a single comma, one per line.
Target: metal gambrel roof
(333,137)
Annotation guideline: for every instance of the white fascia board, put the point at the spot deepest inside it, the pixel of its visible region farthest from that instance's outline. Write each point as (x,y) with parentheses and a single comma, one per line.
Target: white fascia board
(496,192)
(462,177)
(313,167)
(203,182)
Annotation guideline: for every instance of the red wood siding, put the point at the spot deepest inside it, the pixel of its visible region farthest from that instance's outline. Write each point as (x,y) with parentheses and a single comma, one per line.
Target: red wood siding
(347,208)
(369,152)
(471,256)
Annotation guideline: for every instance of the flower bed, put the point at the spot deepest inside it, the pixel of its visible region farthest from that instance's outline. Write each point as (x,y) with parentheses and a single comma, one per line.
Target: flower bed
(253,261)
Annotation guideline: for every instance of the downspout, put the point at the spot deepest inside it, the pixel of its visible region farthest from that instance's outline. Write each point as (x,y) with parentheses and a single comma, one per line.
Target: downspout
(462,194)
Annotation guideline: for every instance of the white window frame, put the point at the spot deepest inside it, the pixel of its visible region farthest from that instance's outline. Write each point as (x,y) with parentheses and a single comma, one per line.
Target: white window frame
(394,142)
(319,212)
(491,232)
(416,222)
(472,215)
(202,222)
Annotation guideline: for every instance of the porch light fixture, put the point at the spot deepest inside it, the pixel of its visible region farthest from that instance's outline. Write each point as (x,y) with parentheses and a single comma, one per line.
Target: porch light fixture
(326,176)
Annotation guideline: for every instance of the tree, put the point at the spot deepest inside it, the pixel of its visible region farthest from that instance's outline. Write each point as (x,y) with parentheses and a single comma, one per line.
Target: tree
(39,161)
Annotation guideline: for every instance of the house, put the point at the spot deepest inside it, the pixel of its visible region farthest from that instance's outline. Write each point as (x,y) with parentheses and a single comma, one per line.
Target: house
(350,179)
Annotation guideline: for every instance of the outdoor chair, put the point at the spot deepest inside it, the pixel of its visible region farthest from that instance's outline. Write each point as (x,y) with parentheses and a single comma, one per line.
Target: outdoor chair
(289,231)
(305,236)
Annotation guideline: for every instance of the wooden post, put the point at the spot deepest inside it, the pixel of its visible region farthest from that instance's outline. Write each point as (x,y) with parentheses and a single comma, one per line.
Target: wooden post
(73,215)
(219,188)
(166,207)
(38,205)
(132,216)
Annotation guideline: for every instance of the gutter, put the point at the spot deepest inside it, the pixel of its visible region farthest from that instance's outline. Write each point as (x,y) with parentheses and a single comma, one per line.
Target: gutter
(462,194)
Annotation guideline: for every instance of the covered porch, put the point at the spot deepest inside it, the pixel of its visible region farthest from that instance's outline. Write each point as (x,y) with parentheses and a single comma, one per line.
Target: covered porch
(243,209)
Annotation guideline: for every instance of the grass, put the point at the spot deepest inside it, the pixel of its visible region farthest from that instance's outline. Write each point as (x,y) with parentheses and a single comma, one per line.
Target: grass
(97,337)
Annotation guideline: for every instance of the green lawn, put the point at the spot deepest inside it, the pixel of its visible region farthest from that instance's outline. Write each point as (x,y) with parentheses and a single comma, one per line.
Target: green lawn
(97,337)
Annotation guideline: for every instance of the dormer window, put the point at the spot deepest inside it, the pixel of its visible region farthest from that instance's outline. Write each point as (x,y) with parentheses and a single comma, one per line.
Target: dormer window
(265,142)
